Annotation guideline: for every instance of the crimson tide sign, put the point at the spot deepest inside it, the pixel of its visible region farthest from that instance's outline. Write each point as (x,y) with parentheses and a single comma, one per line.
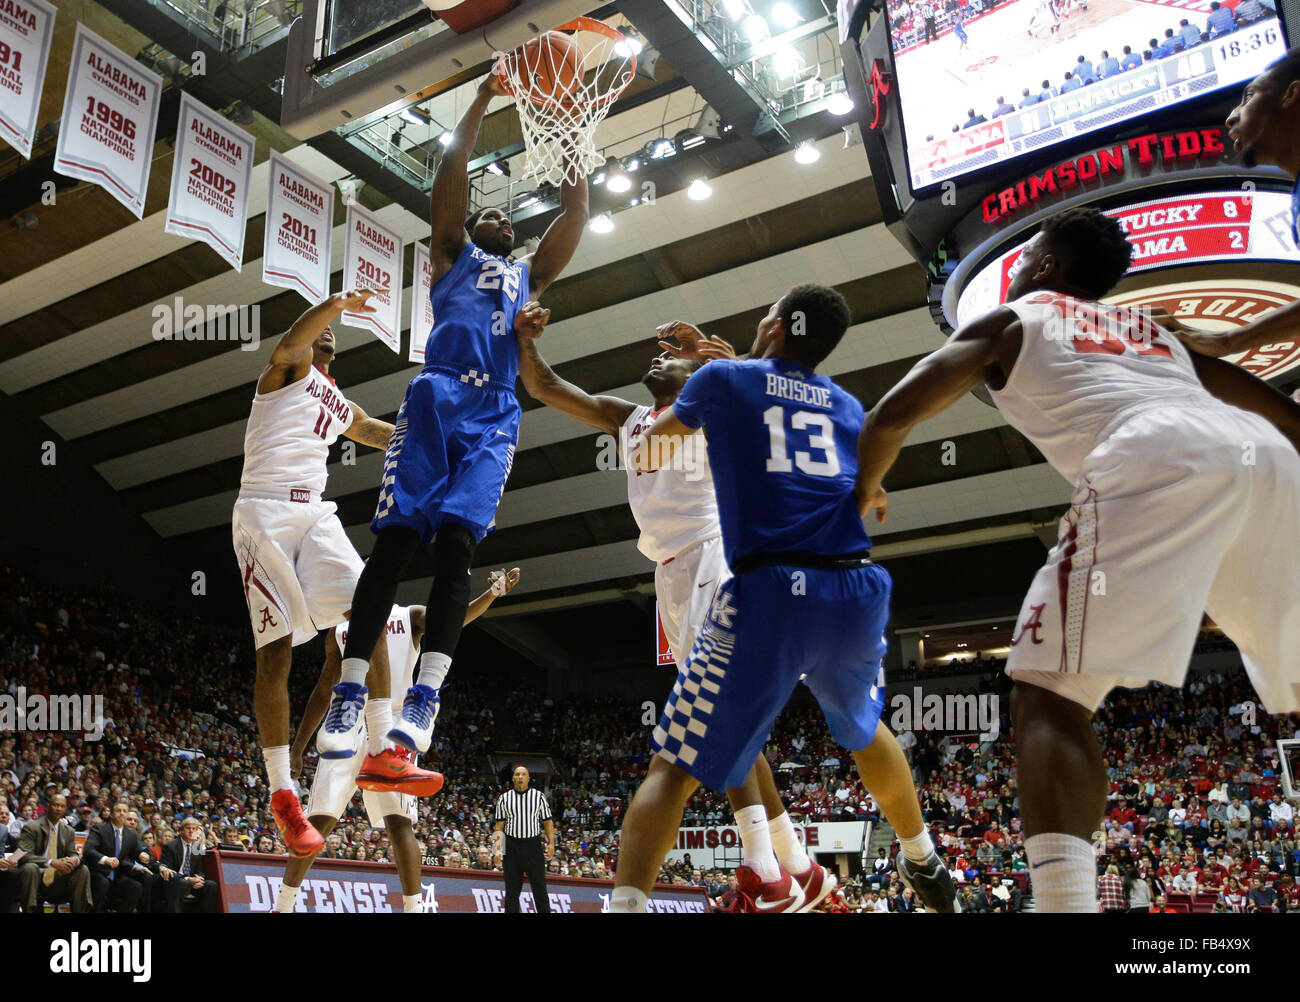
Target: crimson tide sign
(26,28)
(372,255)
(299,231)
(212,172)
(110,115)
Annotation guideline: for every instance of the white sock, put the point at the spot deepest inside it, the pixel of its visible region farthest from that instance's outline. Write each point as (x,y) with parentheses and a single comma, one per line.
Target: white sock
(277,767)
(757,842)
(627,899)
(413,903)
(1062,873)
(918,848)
(789,850)
(379,721)
(355,670)
(286,899)
(433,669)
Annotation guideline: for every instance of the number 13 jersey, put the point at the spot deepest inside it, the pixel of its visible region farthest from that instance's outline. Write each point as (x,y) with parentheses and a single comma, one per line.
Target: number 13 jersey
(290,431)
(783,450)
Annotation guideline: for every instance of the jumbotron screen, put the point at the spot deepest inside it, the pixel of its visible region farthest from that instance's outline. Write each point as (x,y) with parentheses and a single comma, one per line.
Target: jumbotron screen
(986,82)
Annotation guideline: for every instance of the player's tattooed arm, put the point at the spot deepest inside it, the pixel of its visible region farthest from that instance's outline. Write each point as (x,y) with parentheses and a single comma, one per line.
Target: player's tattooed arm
(1282,324)
(656,446)
(604,413)
(449,199)
(561,238)
(983,350)
(330,673)
(1234,385)
(367,430)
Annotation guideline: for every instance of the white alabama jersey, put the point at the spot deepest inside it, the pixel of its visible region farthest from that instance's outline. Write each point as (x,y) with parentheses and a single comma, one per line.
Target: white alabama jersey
(402,654)
(674,507)
(1085,368)
(290,430)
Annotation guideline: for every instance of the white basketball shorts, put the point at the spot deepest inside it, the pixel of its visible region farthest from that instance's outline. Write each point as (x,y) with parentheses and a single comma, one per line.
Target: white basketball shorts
(1181,510)
(336,781)
(685,587)
(297,565)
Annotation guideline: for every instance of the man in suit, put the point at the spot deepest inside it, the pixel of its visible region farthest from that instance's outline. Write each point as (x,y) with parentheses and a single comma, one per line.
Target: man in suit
(182,871)
(49,861)
(117,878)
(8,867)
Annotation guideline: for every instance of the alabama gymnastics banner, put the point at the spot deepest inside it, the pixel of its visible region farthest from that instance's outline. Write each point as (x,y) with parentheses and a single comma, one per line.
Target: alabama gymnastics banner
(421,302)
(110,114)
(250,882)
(299,231)
(26,27)
(372,259)
(211,174)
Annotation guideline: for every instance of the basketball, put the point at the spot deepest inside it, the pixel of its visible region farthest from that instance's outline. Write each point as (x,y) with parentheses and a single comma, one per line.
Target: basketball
(553,64)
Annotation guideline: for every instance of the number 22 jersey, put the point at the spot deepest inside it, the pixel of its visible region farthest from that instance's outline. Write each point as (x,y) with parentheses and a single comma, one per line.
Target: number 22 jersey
(474,308)
(783,449)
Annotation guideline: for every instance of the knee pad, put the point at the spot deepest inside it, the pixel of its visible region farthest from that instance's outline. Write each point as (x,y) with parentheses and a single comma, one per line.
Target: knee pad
(453,550)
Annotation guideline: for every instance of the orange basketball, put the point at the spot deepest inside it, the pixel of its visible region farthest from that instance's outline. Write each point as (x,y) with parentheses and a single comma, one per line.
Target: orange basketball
(553,66)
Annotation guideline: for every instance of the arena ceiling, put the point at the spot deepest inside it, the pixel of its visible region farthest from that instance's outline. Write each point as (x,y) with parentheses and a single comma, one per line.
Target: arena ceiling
(162,422)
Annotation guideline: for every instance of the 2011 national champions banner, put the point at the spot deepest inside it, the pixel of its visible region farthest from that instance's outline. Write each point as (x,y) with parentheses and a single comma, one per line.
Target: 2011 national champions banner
(110,117)
(299,231)
(212,172)
(26,29)
(250,882)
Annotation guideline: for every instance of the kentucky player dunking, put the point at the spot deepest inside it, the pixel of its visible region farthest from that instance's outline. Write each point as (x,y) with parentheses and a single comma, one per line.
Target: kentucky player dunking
(296,562)
(454,442)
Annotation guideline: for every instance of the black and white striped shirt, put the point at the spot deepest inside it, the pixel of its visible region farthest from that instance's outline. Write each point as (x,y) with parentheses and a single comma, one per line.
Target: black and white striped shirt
(523,813)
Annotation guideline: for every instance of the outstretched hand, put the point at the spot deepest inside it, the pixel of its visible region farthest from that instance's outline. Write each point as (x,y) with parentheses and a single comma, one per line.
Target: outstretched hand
(531,320)
(877,499)
(502,582)
(691,342)
(356,300)
(1215,344)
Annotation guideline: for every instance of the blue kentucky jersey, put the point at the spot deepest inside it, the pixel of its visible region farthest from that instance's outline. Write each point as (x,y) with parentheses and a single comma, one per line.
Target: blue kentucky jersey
(783,449)
(474,308)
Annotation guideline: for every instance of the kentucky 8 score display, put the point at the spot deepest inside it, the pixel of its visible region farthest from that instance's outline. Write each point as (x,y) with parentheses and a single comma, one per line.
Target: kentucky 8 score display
(987,82)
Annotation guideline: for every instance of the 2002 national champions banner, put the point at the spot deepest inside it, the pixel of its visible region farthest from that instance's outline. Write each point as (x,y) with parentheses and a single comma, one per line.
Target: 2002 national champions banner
(299,231)
(26,28)
(110,116)
(211,174)
(250,882)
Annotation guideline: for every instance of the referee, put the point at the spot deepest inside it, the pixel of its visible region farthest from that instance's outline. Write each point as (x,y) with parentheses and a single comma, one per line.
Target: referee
(521,813)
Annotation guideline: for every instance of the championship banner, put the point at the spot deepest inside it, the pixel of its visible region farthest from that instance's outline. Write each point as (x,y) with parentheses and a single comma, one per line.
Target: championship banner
(110,115)
(372,259)
(211,174)
(663,649)
(421,302)
(299,231)
(26,28)
(250,882)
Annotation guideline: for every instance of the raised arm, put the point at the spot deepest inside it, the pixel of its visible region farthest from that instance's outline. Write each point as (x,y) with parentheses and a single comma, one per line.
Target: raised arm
(935,383)
(499,583)
(603,413)
(1281,324)
(1234,385)
(560,240)
(654,448)
(449,200)
(367,430)
(292,356)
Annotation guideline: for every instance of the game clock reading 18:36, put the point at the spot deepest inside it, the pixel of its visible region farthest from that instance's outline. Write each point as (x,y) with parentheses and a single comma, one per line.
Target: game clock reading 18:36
(1243,43)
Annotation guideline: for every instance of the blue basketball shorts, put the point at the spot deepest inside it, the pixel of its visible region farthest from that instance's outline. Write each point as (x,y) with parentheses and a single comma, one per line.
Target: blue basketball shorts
(767,627)
(452,448)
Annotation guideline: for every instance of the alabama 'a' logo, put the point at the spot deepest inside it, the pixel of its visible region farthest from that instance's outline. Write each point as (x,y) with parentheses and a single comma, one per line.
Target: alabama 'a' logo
(1032,625)
(267,620)
(880,82)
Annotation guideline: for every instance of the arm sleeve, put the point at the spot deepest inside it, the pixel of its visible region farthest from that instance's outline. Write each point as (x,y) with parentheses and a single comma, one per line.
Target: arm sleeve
(546,809)
(498,814)
(691,404)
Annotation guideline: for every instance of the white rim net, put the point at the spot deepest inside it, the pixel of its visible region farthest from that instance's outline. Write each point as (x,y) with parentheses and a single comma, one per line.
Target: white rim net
(562,91)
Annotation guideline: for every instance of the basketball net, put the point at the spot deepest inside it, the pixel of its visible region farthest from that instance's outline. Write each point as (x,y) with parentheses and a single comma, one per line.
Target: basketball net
(559,124)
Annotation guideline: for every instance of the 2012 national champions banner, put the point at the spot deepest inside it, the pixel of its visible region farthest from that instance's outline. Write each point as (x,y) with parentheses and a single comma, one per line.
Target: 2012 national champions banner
(26,30)
(373,260)
(250,882)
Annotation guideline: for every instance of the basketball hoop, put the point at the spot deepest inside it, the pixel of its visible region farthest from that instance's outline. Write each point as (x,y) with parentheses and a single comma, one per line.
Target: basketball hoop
(563,84)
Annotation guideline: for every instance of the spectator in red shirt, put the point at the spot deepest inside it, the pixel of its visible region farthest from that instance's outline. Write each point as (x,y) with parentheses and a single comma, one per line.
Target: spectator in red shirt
(1122,815)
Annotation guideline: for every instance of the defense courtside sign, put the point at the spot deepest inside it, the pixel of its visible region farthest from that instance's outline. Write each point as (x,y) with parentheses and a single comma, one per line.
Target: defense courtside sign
(110,116)
(26,28)
(299,231)
(212,172)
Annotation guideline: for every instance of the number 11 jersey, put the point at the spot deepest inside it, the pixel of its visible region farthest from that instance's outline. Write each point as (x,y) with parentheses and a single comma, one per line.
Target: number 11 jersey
(290,431)
(783,449)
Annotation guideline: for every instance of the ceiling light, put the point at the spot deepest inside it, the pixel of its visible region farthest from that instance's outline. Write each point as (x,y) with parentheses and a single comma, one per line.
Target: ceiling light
(601,224)
(699,189)
(756,28)
(632,164)
(660,149)
(444,139)
(599,178)
(785,16)
(688,139)
(735,9)
(618,183)
(635,201)
(786,61)
(495,168)
(839,103)
(415,116)
(807,153)
(630,46)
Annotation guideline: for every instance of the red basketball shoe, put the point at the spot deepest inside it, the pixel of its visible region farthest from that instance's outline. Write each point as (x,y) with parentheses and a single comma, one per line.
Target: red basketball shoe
(301,838)
(780,895)
(817,882)
(392,771)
